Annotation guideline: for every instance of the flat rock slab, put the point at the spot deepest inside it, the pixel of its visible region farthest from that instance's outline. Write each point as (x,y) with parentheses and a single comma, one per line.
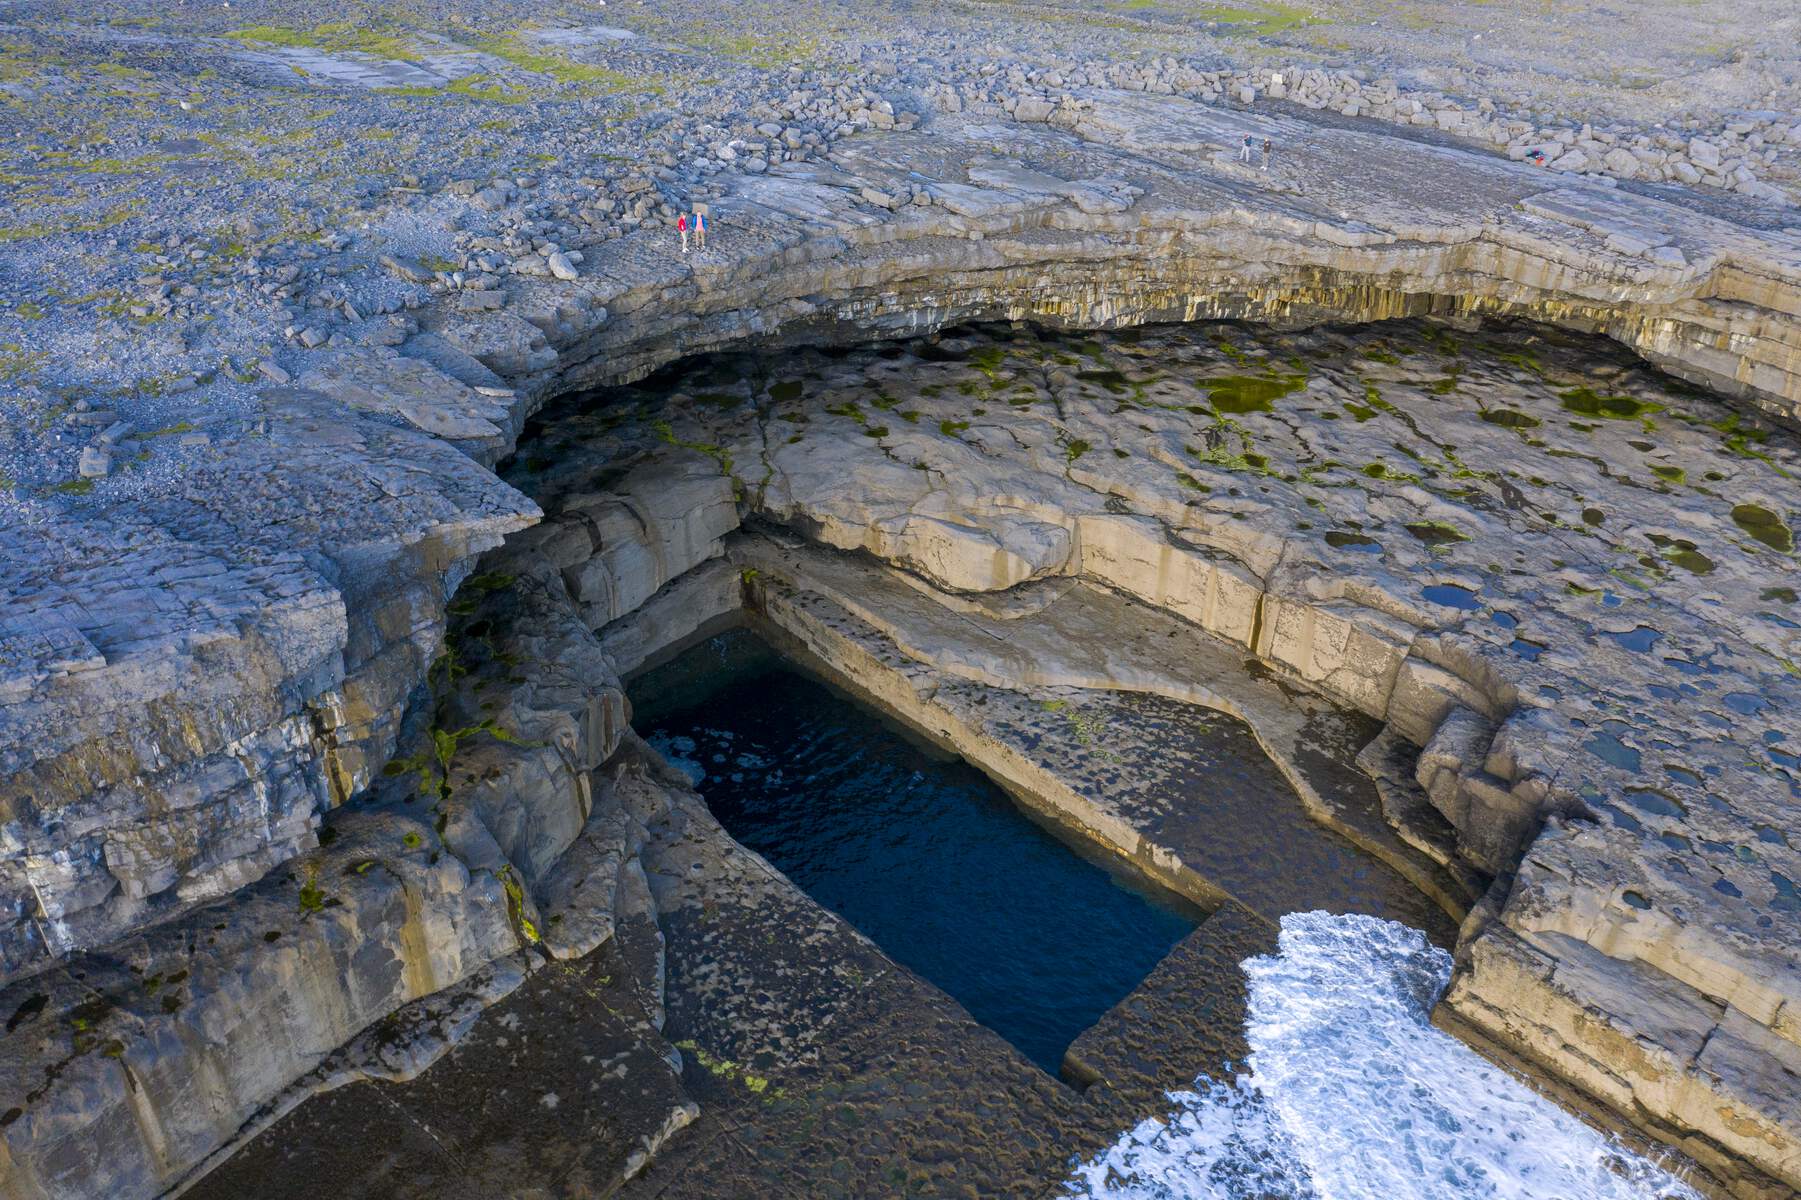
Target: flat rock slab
(1194,1000)
(552,1094)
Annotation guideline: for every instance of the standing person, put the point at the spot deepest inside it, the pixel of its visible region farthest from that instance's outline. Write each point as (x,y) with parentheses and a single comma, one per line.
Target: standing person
(1267,147)
(1244,149)
(681,227)
(700,230)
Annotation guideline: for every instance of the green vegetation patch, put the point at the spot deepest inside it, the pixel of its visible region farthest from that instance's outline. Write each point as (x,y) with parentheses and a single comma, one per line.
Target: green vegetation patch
(1261,20)
(1586,402)
(379,40)
(1437,533)
(1508,418)
(769,53)
(1765,526)
(511,47)
(1240,394)
(1378,470)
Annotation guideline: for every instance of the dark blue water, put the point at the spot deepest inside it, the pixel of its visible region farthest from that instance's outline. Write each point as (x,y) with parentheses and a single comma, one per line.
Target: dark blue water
(925,856)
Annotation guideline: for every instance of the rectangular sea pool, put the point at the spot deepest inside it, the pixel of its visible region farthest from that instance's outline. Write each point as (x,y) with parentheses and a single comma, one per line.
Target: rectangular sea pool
(921,852)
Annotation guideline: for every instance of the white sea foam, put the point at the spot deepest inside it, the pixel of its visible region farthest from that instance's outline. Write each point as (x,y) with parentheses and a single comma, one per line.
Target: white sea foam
(1352,1094)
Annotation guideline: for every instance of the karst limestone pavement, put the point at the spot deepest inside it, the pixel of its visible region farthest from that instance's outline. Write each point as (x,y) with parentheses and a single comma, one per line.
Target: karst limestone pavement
(193,679)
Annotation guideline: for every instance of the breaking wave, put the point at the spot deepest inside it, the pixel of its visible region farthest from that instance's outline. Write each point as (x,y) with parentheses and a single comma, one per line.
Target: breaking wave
(1350,1093)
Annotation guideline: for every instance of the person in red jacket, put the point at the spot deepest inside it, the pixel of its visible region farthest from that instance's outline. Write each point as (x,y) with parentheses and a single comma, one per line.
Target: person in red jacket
(681,227)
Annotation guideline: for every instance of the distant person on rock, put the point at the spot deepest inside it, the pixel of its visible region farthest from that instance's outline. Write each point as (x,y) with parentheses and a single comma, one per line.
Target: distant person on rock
(700,230)
(1267,147)
(681,227)
(1244,149)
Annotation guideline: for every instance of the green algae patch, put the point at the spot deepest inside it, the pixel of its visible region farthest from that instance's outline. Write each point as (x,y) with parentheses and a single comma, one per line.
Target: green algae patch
(1236,395)
(1684,554)
(1508,418)
(1692,561)
(378,41)
(725,1068)
(1586,402)
(1110,379)
(516,909)
(1765,526)
(1226,460)
(1378,470)
(512,48)
(1670,474)
(1437,533)
(1263,20)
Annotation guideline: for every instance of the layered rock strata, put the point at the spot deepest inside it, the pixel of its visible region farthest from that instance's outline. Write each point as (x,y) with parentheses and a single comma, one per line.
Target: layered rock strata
(1535,564)
(1136,213)
(279,608)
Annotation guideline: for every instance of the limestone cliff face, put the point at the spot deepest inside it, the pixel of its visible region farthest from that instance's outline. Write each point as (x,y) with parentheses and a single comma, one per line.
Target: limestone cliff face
(189,685)
(380,521)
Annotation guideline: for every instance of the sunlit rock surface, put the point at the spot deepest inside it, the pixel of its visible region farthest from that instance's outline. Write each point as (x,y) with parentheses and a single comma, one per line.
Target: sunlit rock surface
(276,599)
(1561,577)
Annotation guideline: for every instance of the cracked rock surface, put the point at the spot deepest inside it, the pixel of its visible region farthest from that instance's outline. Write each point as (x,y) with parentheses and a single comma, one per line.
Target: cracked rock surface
(281,713)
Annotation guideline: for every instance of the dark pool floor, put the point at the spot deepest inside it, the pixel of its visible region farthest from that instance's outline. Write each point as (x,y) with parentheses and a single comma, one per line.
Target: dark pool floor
(925,856)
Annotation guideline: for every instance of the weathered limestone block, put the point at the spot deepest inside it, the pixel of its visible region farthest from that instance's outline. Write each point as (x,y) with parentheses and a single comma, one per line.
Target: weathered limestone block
(378,380)
(1496,820)
(1629,908)
(412,896)
(125,1069)
(1424,696)
(665,518)
(971,558)
(683,607)
(456,363)
(504,343)
(598,888)
(149,764)
(399,518)
(1721,1085)
(1139,556)
(1493,816)
(1349,652)
(544,705)
(578,896)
